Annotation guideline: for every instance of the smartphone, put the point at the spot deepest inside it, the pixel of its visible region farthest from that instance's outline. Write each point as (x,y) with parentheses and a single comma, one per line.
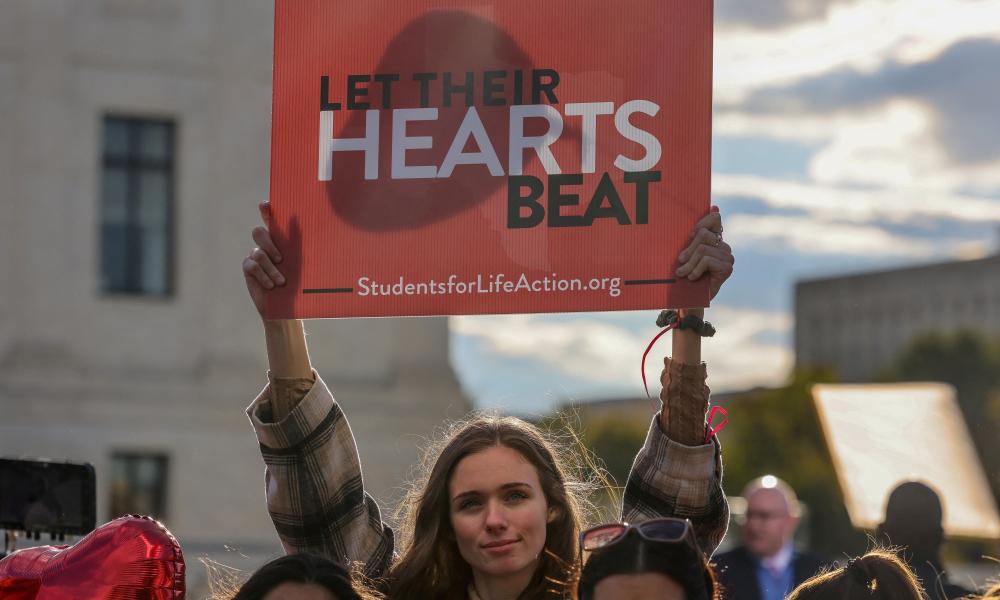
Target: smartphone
(43,496)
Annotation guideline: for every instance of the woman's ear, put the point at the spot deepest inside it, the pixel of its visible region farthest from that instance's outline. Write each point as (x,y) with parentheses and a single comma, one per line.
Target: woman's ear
(554,513)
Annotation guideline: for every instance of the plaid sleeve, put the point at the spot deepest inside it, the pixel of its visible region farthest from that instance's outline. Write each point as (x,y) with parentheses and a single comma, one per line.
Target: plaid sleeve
(670,479)
(315,493)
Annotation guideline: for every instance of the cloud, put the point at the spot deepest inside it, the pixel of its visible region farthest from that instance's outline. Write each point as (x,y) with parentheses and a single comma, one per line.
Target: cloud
(803,128)
(861,36)
(751,349)
(894,144)
(597,350)
(855,204)
(767,14)
(592,356)
(891,147)
(960,85)
(808,235)
(806,224)
(761,155)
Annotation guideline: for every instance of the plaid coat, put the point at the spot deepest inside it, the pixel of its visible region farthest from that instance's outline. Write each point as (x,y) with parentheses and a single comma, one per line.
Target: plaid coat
(317,502)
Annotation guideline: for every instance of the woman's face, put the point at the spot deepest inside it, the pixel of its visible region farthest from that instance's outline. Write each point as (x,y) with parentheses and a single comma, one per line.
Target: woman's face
(638,586)
(498,512)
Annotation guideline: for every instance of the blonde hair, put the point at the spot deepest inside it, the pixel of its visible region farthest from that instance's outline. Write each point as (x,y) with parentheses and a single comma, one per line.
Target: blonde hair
(223,581)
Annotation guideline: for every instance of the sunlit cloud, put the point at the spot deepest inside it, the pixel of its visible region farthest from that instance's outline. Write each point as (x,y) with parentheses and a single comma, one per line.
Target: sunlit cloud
(889,145)
(863,36)
(959,86)
(890,148)
(808,235)
(896,146)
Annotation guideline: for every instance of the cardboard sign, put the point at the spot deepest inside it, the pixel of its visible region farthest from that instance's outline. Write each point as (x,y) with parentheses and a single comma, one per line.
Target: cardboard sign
(433,157)
(881,435)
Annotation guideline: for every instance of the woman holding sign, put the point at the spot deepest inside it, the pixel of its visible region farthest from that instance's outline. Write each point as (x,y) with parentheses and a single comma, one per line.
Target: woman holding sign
(498,515)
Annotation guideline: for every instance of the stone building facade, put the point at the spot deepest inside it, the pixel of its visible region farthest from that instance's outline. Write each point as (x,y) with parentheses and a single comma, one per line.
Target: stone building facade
(859,323)
(134,148)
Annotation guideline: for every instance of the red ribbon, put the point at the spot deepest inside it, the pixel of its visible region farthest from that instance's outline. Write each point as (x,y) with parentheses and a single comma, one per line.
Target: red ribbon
(646,353)
(717,428)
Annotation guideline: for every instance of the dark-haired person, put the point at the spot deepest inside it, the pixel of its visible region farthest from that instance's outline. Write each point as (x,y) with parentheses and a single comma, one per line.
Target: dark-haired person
(766,566)
(299,577)
(878,575)
(497,513)
(914,526)
(657,559)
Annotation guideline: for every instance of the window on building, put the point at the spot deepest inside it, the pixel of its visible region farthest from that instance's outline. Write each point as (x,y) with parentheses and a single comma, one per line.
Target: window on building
(137,197)
(138,484)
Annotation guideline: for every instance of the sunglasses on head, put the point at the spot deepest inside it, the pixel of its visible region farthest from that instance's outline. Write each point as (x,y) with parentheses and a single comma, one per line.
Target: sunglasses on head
(667,529)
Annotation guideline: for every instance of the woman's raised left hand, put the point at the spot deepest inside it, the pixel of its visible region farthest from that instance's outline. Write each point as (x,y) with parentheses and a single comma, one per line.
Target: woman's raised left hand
(708,253)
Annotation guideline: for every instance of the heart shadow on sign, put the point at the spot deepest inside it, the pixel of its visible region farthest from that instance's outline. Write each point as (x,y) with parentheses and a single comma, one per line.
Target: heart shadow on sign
(440,41)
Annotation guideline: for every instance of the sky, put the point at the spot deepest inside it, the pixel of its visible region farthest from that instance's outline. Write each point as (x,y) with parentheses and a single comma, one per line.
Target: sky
(848,135)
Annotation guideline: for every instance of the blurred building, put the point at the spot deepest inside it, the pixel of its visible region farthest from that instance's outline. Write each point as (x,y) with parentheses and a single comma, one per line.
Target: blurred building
(859,323)
(134,149)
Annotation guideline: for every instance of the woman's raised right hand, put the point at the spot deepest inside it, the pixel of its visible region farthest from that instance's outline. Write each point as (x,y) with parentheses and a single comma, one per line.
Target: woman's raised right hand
(259,268)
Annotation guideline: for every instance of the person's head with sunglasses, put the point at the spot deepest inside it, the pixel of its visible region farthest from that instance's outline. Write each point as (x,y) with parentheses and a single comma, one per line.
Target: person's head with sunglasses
(657,559)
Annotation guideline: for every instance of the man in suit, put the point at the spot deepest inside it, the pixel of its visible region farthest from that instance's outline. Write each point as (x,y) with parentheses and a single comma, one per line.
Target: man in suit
(767,566)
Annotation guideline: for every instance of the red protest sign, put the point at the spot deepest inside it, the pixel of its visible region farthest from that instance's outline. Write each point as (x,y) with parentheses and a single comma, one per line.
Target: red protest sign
(438,157)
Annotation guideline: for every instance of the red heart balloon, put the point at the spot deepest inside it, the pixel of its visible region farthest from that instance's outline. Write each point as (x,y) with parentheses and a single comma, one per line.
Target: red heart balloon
(131,558)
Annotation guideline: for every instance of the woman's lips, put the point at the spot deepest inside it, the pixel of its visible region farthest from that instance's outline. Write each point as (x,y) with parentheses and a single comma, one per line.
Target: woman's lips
(500,546)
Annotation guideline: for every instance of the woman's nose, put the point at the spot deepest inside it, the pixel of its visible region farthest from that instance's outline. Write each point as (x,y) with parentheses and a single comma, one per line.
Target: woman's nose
(496,516)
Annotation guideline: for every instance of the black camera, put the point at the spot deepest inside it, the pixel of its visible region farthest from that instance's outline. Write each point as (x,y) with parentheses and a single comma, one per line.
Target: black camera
(43,496)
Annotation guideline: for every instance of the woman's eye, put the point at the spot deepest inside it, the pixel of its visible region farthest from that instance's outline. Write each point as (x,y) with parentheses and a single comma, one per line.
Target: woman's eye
(467,504)
(517,496)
